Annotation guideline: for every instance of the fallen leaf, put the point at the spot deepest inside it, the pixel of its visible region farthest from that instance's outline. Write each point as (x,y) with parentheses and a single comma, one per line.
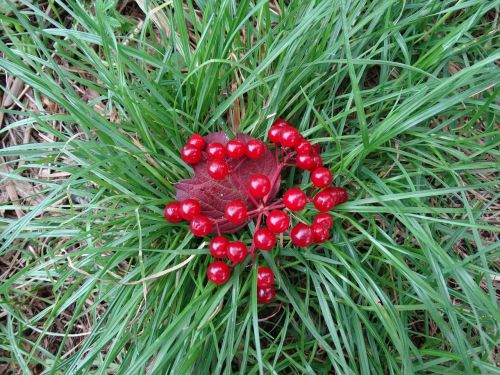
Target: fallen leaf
(214,195)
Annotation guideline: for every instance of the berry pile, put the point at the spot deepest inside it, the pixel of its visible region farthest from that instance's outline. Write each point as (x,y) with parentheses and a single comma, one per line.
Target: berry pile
(245,168)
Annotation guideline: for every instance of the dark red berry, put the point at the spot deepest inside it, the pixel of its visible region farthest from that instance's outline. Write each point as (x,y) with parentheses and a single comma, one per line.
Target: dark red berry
(189,208)
(235,212)
(303,147)
(274,133)
(321,177)
(190,154)
(264,239)
(277,221)
(237,251)
(316,149)
(295,199)
(317,161)
(259,185)
(289,137)
(200,225)
(217,169)
(279,122)
(266,295)
(218,272)
(255,149)
(324,201)
(197,141)
(215,150)
(172,212)
(305,162)
(301,235)
(323,219)
(339,194)
(320,233)
(235,149)
(265,277)
(218,246)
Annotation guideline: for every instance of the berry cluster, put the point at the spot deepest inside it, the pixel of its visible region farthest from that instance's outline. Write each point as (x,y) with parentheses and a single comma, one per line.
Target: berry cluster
(290,149)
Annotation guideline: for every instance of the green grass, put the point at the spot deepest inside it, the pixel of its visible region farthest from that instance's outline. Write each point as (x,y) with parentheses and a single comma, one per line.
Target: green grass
(402,98)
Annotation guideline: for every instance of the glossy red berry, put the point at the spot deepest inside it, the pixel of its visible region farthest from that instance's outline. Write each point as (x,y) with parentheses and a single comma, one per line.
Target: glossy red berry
(274,133)
(264,239)
(190,154)
(323,219)
(321,177)
(218,272)
(277,221)
(279,122)
(255,149)
(235,149)
(217,169)
(289,137)
(266,295)
(295,199)
(215,150)
(305,162)
(301,235)
(235,212)
(265,277)
(304,147)
(339,194)
(320,233)
(197,141)
(237,251)
(324,201)
(200,225)
(259,185)
(172,212)
(317,161)
(189,208)
(218,246)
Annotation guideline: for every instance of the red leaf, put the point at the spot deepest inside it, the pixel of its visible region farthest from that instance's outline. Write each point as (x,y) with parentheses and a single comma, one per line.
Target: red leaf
(214,195)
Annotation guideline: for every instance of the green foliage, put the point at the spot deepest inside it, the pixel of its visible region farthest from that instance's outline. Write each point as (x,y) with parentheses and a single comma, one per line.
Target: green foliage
(400,96)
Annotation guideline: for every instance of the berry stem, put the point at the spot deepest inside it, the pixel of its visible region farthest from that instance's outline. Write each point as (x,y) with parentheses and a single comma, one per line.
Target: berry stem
(252,247)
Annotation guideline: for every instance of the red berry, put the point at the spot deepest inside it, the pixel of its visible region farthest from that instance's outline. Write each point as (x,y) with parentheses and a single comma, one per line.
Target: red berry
(190,208)
(197,141)
(321,177)
(259,185)
(172,212)
(235,149)
(303,147)
(301,235)
(339,194)
(190,154)
(255,149)
(266,295)
(277,221)
(295,199)
(279,122)
(305,162)
(320,233)
(264,239)
(218,246)
(265,277)
(324,201)
(237,251)
(289,137)
(323,219)
(200,225)
(217,169)
(274,133)
(218,272)
(215,150)
(317,162)
(235,212)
